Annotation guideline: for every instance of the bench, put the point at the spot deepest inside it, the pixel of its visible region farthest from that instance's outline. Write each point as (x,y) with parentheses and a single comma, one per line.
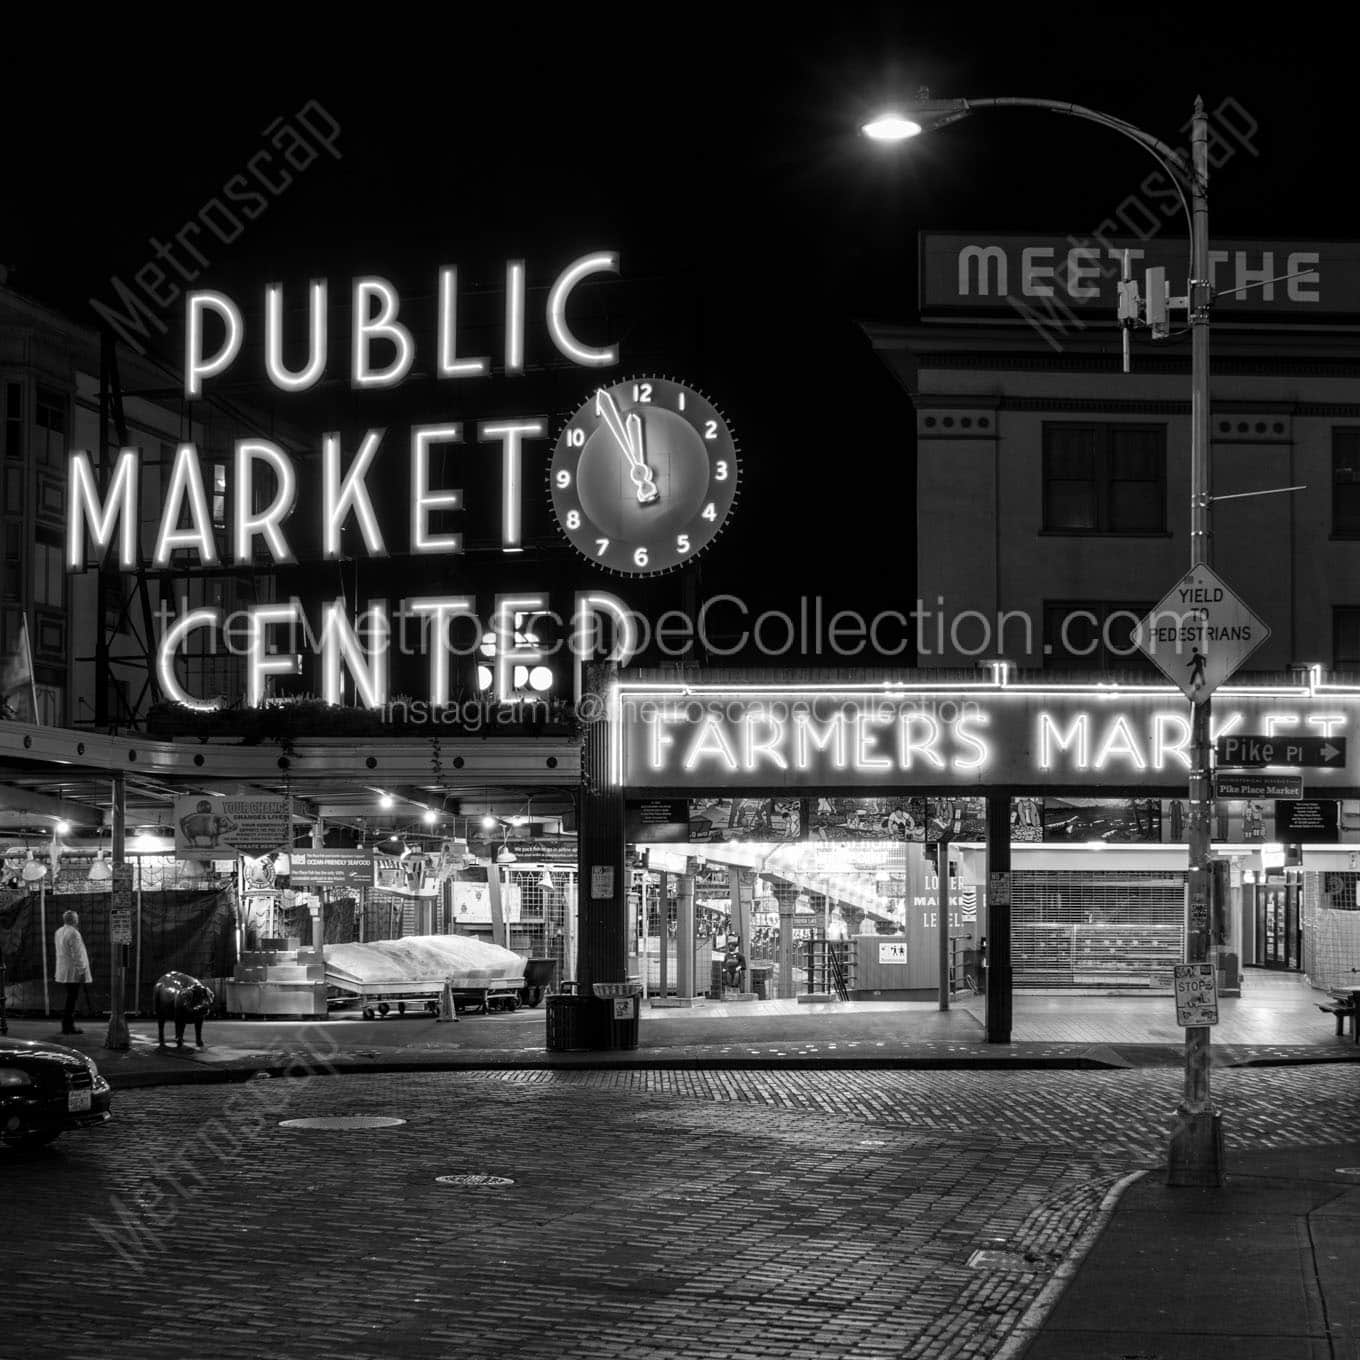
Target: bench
(1339,1008)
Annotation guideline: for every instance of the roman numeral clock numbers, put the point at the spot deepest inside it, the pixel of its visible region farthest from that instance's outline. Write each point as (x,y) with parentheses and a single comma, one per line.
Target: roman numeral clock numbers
(643,476)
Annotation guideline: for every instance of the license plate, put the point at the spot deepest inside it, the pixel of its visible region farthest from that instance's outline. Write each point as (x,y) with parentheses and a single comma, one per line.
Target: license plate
(76,1101)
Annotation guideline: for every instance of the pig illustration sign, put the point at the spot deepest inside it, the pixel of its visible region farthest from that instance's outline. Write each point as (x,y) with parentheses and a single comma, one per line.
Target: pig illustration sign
(223,826)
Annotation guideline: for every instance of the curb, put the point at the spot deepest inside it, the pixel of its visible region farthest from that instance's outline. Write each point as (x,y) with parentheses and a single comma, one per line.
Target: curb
(216,1076)
(1037,1313)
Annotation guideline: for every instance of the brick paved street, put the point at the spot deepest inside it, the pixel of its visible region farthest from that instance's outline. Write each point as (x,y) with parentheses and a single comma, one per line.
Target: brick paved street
(651,1214)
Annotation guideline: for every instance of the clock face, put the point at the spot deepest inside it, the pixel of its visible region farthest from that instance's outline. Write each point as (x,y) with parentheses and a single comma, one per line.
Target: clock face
(643,476)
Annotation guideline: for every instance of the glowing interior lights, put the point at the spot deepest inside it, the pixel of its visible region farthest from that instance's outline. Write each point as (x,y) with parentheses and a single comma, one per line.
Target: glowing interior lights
(385,801)
(429,817)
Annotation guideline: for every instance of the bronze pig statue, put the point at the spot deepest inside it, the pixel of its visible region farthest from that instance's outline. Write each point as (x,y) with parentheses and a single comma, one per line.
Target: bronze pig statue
(181,998)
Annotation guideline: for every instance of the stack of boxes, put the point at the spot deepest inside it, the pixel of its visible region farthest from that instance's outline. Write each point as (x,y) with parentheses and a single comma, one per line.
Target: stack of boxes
(278,983)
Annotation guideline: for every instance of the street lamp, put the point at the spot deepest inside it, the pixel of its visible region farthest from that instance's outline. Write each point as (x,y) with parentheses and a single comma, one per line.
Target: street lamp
(1196,1153)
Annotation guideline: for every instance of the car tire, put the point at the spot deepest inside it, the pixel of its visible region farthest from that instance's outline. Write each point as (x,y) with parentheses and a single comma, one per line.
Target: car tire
(33,1138)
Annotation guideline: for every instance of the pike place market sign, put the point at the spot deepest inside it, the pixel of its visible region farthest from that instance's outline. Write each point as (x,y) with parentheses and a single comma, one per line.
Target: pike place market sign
(1107,738)
(644,476)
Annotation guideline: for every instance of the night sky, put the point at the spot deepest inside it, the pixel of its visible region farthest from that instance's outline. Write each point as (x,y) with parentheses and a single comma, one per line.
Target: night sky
(719,156)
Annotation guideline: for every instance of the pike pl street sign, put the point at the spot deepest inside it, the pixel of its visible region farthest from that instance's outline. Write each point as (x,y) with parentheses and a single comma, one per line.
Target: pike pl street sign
(1247,750)
(1200,633)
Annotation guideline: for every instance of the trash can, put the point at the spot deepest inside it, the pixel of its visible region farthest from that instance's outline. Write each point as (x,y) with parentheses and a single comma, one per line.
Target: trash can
(762,981)
(618,1006)
(569,1015)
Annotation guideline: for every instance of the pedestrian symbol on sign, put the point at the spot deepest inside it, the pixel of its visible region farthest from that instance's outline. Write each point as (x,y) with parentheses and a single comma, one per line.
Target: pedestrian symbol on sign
(1196,668)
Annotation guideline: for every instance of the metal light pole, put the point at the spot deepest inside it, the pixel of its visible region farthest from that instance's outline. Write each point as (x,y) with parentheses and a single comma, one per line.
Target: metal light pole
(1196,1152)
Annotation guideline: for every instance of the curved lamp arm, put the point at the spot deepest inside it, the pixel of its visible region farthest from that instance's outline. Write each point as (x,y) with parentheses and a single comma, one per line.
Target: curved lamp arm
(937,113)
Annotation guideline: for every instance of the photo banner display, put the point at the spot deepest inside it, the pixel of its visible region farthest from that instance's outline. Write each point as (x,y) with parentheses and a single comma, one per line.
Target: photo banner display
(216,827)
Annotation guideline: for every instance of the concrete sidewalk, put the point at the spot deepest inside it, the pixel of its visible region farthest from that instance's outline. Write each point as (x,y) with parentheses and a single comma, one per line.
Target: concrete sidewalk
(1264,1268)
(1049,1032)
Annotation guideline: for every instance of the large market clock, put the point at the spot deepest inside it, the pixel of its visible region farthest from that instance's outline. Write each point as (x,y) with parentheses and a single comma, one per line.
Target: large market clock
(643,476)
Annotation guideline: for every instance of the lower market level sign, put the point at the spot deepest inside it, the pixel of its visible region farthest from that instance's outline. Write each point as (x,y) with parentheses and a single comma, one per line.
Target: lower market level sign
(1230,784)
(1248,749)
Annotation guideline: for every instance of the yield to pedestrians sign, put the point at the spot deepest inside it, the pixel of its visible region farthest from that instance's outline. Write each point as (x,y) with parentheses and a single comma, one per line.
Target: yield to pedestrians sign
(1200,633)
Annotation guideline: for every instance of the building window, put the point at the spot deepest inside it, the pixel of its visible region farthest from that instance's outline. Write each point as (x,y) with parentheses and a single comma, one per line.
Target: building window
(1346,483)
(1346,638)
(1104,479)
(1088,635)
(49,417)
(49,575)
(14,421)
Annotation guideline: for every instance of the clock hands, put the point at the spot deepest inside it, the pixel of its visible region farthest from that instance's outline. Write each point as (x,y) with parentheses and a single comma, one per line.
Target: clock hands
(629,438)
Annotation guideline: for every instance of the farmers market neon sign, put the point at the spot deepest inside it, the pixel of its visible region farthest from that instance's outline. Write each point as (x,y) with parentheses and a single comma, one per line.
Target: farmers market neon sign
(716,737)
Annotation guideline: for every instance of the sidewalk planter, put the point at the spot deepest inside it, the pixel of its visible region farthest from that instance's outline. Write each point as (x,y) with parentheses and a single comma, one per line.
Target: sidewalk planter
(617,1006)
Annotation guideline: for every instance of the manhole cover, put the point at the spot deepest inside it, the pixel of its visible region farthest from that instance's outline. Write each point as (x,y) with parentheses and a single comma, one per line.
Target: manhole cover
(490,1182)
(1000,1260)
(343,1121)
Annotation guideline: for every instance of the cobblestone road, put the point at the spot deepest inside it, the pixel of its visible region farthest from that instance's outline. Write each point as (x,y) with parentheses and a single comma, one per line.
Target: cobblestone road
(649,1214)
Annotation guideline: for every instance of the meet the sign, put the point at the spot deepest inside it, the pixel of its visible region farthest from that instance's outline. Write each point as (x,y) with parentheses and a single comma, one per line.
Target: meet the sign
(1053,276)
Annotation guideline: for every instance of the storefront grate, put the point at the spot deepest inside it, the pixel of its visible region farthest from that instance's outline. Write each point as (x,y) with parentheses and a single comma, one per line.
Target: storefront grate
(1106,931)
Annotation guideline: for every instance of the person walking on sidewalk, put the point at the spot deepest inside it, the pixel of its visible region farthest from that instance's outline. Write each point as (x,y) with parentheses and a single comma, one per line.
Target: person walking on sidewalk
(73,967)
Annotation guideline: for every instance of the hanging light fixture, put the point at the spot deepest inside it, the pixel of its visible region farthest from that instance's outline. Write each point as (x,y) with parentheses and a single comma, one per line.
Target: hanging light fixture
(101,871)
(546,881)
(32,871)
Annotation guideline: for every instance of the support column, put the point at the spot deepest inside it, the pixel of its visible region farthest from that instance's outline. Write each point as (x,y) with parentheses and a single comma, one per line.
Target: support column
(684,937)
(663,935)
(603,911)
(998,934)
(120,900)
(787,906)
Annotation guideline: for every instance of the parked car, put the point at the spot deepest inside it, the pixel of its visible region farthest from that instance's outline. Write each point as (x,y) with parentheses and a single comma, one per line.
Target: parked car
(45,1089)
